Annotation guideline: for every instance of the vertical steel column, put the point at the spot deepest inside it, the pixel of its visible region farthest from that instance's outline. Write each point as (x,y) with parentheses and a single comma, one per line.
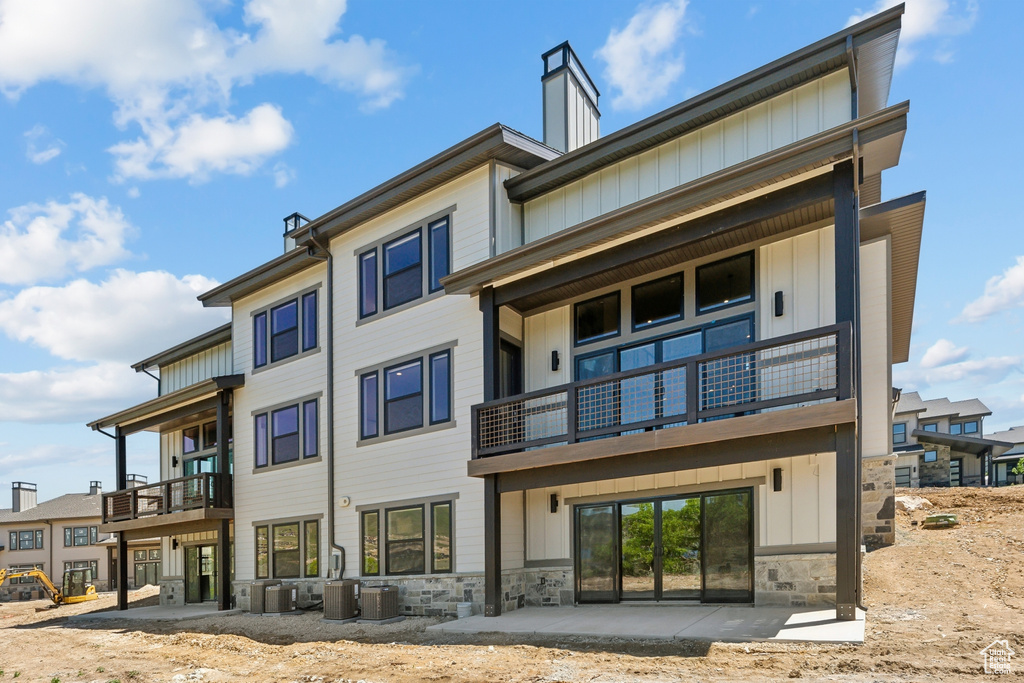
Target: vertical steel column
(224,563)
(847,273)
(492,341)
(121,472)
(224,479)
(492,547)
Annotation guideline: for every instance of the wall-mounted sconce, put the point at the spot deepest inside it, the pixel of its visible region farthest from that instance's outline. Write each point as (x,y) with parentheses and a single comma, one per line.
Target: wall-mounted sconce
(777,479)
(555,361)
(174,544)
(554,503)
(174,461)
(778,305)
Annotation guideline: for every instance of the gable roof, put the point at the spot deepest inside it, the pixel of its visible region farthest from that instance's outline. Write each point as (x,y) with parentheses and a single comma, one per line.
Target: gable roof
(68,506)
(911,402)
(185,349)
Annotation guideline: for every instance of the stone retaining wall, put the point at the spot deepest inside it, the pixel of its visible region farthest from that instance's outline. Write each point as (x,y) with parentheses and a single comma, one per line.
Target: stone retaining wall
(795,580)
(878,501)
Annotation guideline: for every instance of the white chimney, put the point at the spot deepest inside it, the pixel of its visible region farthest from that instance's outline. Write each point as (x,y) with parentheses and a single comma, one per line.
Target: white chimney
(136,480)
(23,496)
(571,118)
(291,224)
(95,488)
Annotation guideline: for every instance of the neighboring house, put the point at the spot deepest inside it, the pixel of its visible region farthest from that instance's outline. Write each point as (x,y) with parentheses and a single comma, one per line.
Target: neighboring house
(61,534)
(1004,464)
(593,369)
(939,442)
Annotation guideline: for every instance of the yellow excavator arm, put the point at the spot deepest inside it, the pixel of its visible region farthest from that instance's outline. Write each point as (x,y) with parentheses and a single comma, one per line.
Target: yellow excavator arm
(83,592)
(40,576)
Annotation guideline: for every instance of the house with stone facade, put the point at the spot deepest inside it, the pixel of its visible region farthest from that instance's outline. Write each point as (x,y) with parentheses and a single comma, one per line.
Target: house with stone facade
(1003,465)
(938,442)
(652,365)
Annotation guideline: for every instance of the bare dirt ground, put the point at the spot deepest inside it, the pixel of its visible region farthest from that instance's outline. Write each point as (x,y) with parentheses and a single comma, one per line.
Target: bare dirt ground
(936,599)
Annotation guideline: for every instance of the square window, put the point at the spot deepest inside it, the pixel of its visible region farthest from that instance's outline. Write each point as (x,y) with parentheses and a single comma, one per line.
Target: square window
(440,387)
(284,331)
(658,302)
(403,397)
(955,428)
(368,405)
(140,555)
(403,270)
(371,543)
(368,283)
(971,427)
(439,258)
(190,440)
(286,551)
(284,439)
(309,331)
(310,429)
(259,340)
(81,535)
(405,549)
(154,553)
(725,283)
(260,449)
(597,318)
(931,456)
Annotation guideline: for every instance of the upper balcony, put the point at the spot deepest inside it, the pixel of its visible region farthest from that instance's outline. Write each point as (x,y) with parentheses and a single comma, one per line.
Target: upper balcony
(798,381)
(186,500)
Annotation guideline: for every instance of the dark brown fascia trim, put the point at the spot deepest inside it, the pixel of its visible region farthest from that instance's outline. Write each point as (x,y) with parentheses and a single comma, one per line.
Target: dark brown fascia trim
(728,97)
(185,349)
(294,261)
(831,144)
(168,401)
(481,145)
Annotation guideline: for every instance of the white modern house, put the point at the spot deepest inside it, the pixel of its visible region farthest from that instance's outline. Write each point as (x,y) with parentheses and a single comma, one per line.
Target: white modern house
(652,365)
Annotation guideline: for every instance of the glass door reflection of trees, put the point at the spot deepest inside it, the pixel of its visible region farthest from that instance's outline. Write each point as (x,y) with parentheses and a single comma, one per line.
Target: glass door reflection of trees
(697,547)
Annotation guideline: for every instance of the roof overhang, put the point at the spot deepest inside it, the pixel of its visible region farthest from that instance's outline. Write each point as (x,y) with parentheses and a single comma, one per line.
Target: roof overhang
(903,219)
(496,142)
(207,340)
(872,44)
(753,176)
(295,261)
(190,400)
(963,444)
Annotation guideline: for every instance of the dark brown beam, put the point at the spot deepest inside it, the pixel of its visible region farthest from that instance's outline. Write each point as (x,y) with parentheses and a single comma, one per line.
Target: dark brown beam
(224,565)
(492,547)
(223,465)
(491,340)
(121,472)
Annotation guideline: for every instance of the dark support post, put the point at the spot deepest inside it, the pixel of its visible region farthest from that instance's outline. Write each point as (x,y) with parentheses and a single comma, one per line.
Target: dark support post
(224,495)
(121,472)
(492,547)
(224,565)
(492,341)
(847,268)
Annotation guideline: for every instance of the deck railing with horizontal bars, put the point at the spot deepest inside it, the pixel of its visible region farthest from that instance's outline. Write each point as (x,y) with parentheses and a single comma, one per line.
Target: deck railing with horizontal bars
(166,497)
(782,372)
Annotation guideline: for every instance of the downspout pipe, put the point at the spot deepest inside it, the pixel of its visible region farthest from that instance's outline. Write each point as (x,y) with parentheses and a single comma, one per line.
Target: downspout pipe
(340,571)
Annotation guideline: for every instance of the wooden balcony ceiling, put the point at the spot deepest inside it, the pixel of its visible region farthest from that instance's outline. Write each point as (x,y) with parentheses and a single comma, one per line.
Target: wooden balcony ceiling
(755,432)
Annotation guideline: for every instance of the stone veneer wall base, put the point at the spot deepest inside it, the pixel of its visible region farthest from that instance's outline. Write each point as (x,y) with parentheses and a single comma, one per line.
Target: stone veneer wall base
(878,501)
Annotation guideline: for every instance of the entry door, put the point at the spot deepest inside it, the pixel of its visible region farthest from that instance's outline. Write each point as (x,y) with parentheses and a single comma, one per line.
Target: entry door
(200,573)
(661,549)
(955,468)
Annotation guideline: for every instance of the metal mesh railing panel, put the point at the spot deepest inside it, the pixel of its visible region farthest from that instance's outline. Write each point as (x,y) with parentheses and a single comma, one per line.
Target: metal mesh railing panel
(523,421)
(632,400)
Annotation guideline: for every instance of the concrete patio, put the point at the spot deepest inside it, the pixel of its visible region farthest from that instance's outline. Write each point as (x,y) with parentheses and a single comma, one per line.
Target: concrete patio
(670,622)
(156,613)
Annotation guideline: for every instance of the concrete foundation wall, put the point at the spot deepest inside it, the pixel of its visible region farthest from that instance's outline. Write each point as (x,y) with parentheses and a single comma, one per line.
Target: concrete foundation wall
(878,501)
(795,580)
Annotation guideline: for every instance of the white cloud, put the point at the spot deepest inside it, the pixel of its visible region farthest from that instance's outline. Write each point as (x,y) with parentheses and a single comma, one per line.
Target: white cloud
(283,174)
(642,59)
(70,394)
(43,242)
(925,19)
(978,373)
(123,319)
(1002,292)
(943,352)
(40,145)
(170,69)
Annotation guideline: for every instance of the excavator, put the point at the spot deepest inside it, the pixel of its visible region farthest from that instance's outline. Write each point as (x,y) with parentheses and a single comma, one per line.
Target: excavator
(77,585)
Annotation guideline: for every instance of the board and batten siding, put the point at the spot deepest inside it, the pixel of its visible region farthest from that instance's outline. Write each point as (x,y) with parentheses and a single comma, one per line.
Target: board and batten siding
(213,362)
(803,511)
(786,118)
(295,491)
(508,217)
(876,348)
(426,464)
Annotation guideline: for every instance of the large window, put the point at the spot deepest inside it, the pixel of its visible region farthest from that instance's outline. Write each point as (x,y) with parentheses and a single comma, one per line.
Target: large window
(658,302)
(725,283)
(80,536)
(287,434)
(406,395)
(404,268)
(899,432)
(408,538)
(286,329)
(964,427)
(288,550)
(597,319)
(31,539)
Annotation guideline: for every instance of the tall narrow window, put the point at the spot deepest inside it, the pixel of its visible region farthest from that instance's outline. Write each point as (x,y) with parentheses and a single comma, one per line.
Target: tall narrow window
(259,340)
(27,540)
(368,405)
(209,435)
(284,331)
(440,387)
(403,270)
(725,283)
(312,549)
(286,551)
(368,283)
(597,319)
(310,429)
(260,446)
(309,321)
(67,537)
(371,543)
(405,548)
(899,432)
(403,397)
(39,538)
(439,259)
(441,537)
(262,552)
(284,435)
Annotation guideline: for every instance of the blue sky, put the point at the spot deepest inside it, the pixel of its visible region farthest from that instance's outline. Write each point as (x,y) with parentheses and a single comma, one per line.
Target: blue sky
(150,150)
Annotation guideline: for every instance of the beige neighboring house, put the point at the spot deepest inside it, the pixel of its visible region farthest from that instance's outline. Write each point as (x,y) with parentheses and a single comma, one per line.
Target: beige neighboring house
(1004,464)
(60,534)
(938,442)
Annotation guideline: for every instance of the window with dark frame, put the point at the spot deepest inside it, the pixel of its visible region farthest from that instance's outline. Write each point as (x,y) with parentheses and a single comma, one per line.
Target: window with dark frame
(209,435)
(287,434)
(971,427)
(285,550)
(368,283)
(658,302)
(440,387)
(899,432)
(259,340)
(725,283)
(284,435)
(439,252)
(311,548)
(408,539)
(931,456)
(260,440)
(597,318)
(286,330)
(310,424)
(262,552)
(932,427)
(309,317)
(403,270)
(39,539)
(403,397)
(441,537)
(368,405)
(190,440)
(371,543)
(404,547)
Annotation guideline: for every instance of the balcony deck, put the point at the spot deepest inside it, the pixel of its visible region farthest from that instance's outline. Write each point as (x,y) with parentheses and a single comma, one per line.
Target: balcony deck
(800,382)
(187,503)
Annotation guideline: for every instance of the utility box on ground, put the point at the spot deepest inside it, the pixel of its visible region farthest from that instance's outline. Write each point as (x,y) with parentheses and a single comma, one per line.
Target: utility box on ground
(379,602)
(340,599)
(257,594)
(282,598)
